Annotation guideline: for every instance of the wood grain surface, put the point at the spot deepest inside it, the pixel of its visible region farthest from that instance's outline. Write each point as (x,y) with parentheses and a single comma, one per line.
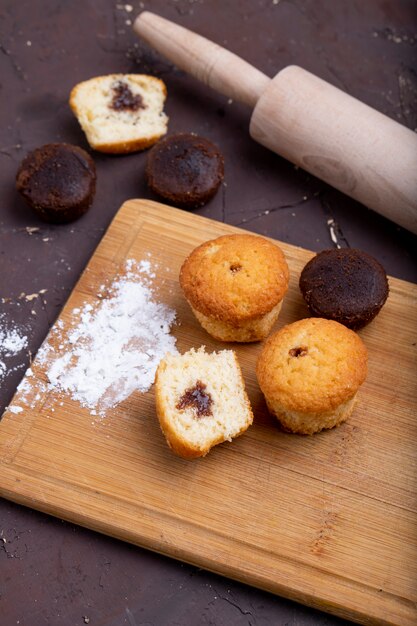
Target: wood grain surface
(328,520)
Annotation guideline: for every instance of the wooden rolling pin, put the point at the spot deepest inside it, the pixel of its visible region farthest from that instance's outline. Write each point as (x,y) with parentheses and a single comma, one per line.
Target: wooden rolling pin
(318,127)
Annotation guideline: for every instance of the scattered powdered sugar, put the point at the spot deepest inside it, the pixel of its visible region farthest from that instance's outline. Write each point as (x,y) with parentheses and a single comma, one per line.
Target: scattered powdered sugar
(29,392)
(15,409)
(12,342)
(115,347)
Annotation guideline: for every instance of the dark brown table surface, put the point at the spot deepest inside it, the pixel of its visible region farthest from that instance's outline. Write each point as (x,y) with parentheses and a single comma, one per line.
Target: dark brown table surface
(52,572)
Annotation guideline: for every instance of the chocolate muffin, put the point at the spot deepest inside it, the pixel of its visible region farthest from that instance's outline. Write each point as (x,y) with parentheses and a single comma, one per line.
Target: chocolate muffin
(185,169)
(58,181)
(347,285)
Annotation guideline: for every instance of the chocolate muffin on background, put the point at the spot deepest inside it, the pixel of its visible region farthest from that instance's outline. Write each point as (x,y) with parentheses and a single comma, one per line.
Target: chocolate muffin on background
(58,181)
(185,169)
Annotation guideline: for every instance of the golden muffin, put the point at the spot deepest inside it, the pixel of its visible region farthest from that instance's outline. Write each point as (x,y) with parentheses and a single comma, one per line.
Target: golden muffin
(235,285)
(310,372)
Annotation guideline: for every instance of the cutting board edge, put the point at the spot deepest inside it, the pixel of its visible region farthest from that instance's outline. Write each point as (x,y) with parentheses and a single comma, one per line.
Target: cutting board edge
(324,602)
(232,228)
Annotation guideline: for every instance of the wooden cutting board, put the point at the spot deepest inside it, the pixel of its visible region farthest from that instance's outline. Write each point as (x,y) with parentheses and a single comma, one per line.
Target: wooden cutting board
(328,520)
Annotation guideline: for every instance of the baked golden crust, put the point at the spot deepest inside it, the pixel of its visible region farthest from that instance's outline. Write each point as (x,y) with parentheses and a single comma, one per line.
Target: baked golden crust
(246,332)
(235,278)
(126,147)
(311,366)
(311,423)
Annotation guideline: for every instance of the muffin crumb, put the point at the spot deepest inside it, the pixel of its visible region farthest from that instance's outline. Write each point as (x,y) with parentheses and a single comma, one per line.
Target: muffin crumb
(120,113)
(201,400)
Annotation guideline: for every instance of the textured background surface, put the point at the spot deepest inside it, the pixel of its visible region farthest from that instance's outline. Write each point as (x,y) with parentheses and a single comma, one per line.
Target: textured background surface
(50,571)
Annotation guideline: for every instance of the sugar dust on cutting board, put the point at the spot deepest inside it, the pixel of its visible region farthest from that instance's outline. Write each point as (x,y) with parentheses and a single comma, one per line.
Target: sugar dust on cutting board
(113,346)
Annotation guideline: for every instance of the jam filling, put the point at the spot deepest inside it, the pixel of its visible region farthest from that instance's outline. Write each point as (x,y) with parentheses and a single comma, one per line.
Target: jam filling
(124,99)
(300,351)
(197,398)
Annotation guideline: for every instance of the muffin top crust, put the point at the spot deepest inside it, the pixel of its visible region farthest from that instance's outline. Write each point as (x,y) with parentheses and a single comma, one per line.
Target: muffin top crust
(235,278)
(312,365)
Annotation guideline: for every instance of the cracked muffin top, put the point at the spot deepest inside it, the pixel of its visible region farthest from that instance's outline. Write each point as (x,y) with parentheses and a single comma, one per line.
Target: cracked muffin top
(346,285)
(312,365)
(185,169)
(58,181)
(235,278)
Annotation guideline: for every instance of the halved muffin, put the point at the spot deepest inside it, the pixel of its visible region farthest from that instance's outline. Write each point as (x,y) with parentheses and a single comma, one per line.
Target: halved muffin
(120,113)
(201,400)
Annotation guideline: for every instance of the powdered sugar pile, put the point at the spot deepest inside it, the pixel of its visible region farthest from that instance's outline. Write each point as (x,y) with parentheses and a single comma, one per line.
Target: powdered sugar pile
(115,348)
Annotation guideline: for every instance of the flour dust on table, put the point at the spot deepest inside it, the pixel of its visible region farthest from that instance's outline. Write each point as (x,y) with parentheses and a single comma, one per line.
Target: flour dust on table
(13,342)
(113,347)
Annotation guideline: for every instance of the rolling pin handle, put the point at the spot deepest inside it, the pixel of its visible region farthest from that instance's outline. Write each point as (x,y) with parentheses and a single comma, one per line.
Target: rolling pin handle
(213,65)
